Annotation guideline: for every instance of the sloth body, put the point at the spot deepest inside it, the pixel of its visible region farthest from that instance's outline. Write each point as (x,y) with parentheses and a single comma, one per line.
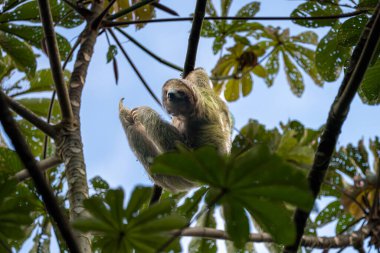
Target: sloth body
(199,118)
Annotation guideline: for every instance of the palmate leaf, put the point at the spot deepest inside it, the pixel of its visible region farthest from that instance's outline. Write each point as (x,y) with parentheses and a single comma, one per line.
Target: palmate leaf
(350,31)
(28,11)
(293,76)
(369,90)
(145,231)
(256,180)
(20,53)
(329,214)
(33,35)
(314,8)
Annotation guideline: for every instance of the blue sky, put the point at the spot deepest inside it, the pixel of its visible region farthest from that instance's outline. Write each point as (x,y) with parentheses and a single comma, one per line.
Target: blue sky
(105,146)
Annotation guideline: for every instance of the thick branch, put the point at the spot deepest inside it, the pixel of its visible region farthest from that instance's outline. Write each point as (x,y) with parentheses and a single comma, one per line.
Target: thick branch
(30,163)
(195,33)
(360,60)
(146,50)
(130,9)
(162,20)
(31,117)
(54,59)
(315,242)
(42,165)
(146,85)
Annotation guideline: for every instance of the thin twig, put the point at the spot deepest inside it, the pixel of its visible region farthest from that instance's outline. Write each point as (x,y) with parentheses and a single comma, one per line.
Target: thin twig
(361,57)
(195,33)
(165,8)
(146,50)
(162,20)
(26,156)
(130,9)
(54,59)
(42,165)
(146,85)
(315,242)
(31,117)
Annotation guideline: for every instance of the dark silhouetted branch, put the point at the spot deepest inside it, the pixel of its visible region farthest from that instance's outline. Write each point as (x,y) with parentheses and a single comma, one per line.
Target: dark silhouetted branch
(26,156)
(162,20)
(134,67)
(42,165)
(159,59)
(31,117)
(361,57)
(130,9)
(99,19)
(54,59)
(165,8)
(195,33)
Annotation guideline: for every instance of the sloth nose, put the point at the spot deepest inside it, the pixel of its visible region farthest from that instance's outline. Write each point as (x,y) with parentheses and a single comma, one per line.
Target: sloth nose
(171,95)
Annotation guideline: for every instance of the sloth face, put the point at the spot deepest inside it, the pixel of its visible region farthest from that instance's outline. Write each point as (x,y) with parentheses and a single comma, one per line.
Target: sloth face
(178,97)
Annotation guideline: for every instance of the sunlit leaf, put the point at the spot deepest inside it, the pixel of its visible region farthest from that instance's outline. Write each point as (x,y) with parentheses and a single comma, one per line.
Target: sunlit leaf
(313,9)
(293,76)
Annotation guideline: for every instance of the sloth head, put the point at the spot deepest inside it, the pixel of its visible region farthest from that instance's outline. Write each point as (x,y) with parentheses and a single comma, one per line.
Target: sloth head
(178,97)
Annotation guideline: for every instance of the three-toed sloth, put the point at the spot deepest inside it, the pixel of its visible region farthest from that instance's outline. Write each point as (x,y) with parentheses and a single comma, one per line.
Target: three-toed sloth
(199,118)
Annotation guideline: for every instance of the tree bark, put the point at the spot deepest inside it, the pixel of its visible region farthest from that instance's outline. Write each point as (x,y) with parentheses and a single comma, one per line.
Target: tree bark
(69,140)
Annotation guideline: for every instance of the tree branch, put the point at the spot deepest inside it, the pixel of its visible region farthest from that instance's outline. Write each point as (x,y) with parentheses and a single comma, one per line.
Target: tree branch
(195,33)
(54,59)
(361,57)
(130,9)
(314,242)
(146,85)
(162,20)
(42,165)
(43,188)
(146,50)
(31,117)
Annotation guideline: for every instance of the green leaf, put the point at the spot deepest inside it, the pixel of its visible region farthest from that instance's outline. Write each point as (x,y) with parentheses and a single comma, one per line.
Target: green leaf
(40,106)
(344,221)
(140,196)
(248,10)
(200,245)
(329,214)
(112,52)
(10,162)
(246,84)
(308,37)
(236,222)
(260,71)
(232,90)
(330,56)
(61,12)
(272,66)
(367,4)
(312,9)
(293,76)
(191,204)
(42,81)
(20,52)
(99,183)
(369,90)
(225,4)
(350,31)
(34,36)
(305,58)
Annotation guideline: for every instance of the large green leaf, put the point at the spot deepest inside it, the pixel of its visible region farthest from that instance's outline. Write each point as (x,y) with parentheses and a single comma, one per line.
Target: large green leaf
(40,106)
(254,178)
(369,90)
(329,214)
(10,162)
(330,56)
(20,52)
(237,224)
(34,35)
(314,8)
(145,232)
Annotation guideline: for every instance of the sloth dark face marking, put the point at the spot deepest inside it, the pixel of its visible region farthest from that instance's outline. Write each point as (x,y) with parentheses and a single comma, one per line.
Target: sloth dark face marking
(177,97)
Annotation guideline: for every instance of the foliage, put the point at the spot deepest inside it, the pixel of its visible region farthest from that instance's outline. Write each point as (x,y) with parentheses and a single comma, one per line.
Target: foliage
(120,229)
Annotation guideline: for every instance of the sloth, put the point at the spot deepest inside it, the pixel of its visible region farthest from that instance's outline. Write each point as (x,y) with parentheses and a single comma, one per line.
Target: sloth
(199,118)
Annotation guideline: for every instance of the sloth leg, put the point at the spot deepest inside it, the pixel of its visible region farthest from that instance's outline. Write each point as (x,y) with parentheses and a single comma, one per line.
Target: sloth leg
(162,133)
(146,148)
